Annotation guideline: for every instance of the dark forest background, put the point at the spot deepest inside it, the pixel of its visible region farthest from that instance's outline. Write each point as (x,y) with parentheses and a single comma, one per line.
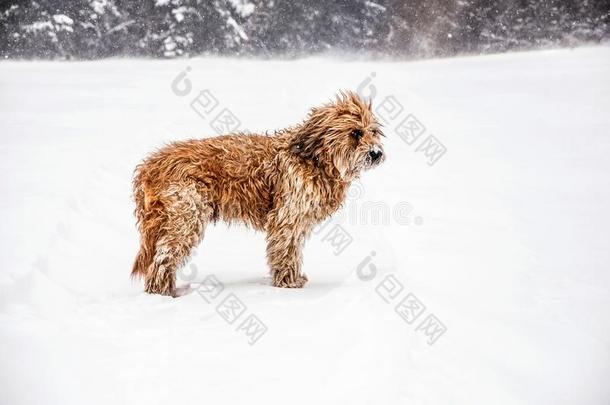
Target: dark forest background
(87,29)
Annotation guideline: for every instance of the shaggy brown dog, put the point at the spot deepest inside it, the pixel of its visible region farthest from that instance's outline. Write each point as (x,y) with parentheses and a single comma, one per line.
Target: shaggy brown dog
(283,184)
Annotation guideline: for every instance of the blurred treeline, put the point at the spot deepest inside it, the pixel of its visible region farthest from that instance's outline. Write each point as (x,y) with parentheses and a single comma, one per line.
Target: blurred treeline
(87,29)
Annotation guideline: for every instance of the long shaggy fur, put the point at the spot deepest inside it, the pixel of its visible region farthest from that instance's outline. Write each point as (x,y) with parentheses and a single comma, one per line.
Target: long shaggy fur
(283,184)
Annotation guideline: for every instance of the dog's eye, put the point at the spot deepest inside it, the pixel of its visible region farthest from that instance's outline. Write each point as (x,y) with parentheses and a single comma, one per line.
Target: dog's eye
(378,132)
(357,133)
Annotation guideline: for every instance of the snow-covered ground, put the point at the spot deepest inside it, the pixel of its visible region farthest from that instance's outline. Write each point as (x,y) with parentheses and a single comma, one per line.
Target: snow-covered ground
(504,240)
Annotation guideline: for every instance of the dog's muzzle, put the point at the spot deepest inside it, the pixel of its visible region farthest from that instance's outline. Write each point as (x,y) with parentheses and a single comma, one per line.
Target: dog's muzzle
(375,155)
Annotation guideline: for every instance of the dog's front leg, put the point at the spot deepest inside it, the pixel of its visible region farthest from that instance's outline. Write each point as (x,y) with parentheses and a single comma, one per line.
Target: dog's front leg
(284,254)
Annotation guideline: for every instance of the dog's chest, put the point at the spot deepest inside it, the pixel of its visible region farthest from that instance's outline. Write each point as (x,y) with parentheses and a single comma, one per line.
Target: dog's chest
(318,199)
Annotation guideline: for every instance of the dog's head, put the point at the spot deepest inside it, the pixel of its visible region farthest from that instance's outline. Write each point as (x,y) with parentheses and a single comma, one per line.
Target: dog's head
(343,137)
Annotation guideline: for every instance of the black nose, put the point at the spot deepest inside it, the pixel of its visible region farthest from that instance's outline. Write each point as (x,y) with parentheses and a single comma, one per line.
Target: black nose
(375,155)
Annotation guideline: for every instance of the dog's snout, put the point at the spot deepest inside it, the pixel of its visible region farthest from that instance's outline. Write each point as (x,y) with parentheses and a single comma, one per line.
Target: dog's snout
(375,154)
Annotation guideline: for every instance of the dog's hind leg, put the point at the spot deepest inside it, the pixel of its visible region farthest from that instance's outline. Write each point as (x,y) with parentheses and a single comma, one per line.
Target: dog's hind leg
(185,216)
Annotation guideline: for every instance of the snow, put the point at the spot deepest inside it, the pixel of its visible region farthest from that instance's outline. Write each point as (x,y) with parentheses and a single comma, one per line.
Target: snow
(39,26)
(179,13)
(504,239)
(99,6)
(233,24)
(62,19)
(243,7)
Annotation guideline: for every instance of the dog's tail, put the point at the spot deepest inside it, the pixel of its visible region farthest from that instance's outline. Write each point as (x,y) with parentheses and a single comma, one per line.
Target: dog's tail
(141,263)
(146,225)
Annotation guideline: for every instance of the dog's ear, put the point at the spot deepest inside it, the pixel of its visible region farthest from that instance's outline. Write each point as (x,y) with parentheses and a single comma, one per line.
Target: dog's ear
(353,103)
(308,138)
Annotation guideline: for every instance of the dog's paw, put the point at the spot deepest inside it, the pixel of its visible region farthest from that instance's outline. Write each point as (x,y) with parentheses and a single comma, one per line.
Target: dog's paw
(300,282)
(167,289)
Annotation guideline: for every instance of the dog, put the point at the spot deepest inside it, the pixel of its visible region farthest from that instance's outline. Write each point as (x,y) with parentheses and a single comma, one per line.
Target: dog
(283,184)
